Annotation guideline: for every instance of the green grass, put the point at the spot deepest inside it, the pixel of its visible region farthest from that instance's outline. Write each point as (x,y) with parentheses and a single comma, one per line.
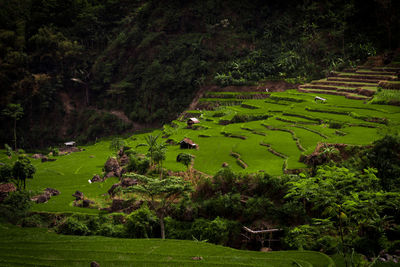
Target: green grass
(387,95)
(38,247)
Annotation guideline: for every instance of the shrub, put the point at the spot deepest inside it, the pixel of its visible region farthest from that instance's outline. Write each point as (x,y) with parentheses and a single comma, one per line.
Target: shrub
(257,208)
(218,114)
(335,125)
(72,226)
(226,205)
(32,221)
(5,173)
(19,201)
(177,229)
(141,223)
(8,150)
(217,231)
(138,164)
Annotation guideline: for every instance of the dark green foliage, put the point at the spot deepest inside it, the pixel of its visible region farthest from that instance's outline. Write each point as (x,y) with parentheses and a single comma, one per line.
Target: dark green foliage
(164,51)
(141,223)
(185,159)
(245,118)
(73,226)
(116,144)
(5,173)
(217,231)
(138,164)
(8,150)
(18,201)
(335,125)
(22,170)
(32,221)
(175,229)
(384,156)
(16,206)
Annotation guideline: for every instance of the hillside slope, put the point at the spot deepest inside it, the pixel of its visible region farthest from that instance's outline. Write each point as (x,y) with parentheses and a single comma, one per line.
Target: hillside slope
(148,59)
(30,246)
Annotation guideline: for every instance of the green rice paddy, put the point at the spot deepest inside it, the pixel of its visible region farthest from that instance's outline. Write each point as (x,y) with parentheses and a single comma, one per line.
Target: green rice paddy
(38,247)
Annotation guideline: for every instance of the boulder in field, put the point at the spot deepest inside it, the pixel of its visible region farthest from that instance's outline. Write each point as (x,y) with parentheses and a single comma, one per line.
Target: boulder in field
(5,189)
(111,165)
(96,178)
(52,191)
(78,194)
(126,182)
(42,198)
(124,160)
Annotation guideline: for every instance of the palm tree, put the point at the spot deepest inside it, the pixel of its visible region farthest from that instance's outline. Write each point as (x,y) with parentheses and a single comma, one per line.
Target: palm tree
(151,141)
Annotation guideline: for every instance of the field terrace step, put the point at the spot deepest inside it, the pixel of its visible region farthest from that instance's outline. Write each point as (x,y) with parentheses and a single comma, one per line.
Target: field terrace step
(327,92)
(389,69)
(343,79)
(366,76)
(369,72)
(344,84)
(329,88)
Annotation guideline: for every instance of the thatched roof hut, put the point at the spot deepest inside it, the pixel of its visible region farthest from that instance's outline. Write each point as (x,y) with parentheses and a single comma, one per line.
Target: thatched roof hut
(187,143)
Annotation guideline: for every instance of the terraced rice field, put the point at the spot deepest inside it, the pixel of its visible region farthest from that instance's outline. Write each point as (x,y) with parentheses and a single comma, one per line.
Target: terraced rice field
(37,247)
(250,131)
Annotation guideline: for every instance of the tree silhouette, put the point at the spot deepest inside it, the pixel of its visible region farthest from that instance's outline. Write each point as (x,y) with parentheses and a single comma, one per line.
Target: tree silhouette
(160,193)
(14,111)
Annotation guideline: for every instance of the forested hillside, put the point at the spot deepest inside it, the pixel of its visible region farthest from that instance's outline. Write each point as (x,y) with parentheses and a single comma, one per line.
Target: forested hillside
(73,66)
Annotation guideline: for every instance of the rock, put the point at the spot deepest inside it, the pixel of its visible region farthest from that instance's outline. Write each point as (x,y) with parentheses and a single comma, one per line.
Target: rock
(78,194)
(37,156)
(225,164)
(109,174)
(111,191)
(198,258)
(91,156)
(94,264)
(126,182)
(124,160)
(5,189)
(264,249)
(118,172)
(43,198)
(44,159)
(96,178)
(52,191)
(111,165)
(86,203)
(117,205)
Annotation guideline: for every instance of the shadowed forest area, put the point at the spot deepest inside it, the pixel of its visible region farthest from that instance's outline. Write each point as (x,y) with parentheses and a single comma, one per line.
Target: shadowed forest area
(69,63)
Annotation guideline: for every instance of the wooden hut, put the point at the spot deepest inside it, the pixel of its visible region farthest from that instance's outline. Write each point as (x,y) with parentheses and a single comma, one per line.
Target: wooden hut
(192,121)
(187,143)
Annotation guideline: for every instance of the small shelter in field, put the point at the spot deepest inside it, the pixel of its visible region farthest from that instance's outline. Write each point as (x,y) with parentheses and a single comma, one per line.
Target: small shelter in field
(192,121)
(187,143)
(320,99)
(70,143)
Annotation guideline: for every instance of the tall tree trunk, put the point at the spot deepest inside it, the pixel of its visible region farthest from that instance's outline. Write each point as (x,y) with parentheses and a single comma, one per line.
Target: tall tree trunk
(15,134)
(162,227)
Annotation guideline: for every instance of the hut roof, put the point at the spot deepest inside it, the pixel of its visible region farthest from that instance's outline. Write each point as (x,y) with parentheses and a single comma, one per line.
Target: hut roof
(70,143)
(194,120)
(320,98)
(187,141)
